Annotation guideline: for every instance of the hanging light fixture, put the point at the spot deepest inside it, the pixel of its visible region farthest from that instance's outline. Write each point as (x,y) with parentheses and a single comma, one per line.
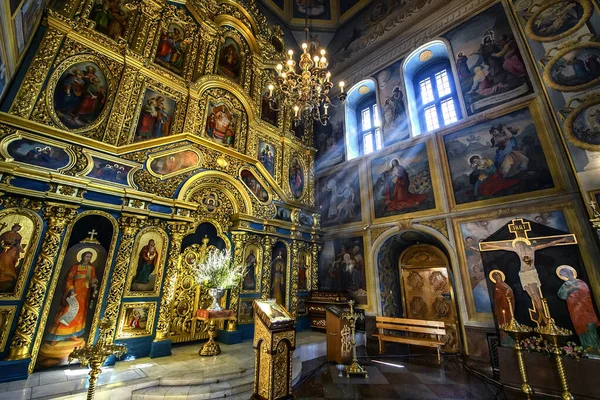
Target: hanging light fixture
(304,86)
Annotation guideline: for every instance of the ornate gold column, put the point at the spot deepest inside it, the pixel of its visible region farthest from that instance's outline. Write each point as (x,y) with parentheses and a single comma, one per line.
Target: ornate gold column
(314,266)
(178,230)
(130,225)
(58,217)
(238,259)
(294,267)
(267,244)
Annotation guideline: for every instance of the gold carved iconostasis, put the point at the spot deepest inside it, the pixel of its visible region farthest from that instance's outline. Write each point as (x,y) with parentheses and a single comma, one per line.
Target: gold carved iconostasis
(136,137)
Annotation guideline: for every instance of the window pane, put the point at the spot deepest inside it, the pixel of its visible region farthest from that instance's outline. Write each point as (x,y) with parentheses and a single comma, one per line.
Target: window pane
(378,141)
(375,115)
(442,83)
(426,91)
(448,111)
(366,119)
(431,118)
(368,143)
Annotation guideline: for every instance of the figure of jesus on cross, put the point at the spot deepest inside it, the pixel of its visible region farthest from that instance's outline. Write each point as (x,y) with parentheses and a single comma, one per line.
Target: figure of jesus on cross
(525,248)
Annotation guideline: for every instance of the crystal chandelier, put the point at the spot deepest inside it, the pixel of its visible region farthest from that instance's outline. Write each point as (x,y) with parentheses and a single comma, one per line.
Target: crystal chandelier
(304,86)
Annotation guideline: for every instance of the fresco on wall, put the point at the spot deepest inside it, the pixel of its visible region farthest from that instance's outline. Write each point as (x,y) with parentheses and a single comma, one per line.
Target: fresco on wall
(575,69)
(329,139)
(17,233)
(230,60)
(342,267)
(474,232)
(172,163)
(557,18)
(338,197)
(36,153)
(254,185)
(314,9)
(266,156)
(497,158)
(80,95)
(110,171)
(402,182)
(26,21)
(296,177)
(585,126)
(172,48)
(391,99)
(155,117)
(111,17)
(490,67)
(221,123)
(3,70)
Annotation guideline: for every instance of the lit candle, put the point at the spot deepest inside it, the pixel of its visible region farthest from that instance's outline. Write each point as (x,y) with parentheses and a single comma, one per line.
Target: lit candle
(271,87)
(325,106)
(290,63)
(323,62)
(323,52)
(283,75)
(291,53)
(304,47)
(279,68)
(296,108)
(503,316)
(316,59)
(328,76)
(342,84)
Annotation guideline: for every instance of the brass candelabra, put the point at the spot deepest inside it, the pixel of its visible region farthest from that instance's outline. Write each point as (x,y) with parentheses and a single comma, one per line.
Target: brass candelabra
(556,336)
(94,356)
(518,332)
(355,368)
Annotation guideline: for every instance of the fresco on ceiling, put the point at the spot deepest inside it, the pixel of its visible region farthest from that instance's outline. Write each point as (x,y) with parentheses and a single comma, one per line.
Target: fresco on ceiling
(155,117)
(37,153)
(338,197)
(329,139)
(490,67)
(111,17)
(497,158)
(402,182)
(314,9)
(172,48)
(391,99)
(266,156)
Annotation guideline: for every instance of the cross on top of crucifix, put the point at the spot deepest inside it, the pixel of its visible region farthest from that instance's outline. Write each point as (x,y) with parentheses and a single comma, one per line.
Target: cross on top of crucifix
(519,228)
(92,233)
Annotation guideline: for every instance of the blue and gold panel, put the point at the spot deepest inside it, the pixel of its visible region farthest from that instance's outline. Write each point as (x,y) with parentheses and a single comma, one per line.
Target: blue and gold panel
(174,162)
(110,169)
(7,316)
(36,151)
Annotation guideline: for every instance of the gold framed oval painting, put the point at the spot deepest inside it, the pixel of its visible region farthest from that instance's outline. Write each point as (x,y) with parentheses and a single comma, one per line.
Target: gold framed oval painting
(558,19)
(582,126)
(574,68)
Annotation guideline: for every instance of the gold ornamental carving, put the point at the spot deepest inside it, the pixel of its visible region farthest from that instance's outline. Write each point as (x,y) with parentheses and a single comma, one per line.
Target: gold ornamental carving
(267,243)
(439,225)
(315,250)
(58,217)
(238,259)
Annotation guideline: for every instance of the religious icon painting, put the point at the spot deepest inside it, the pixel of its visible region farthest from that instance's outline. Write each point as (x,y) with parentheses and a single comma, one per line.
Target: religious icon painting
(283,214)
(246,315)
(582,126)
(147,263)
(338,197)
(279,273)
(269,106)
(266,156)
(254,185)
(401,182)
(7,316)
(221,123)
(136,320)
(491,70)
(394,117)
(574,68)
(557,19)
(302,310)
(174,162)
(155,117)
(108,170)
(252,262)
(79,95)
(296,177)
(38,153)
(230,60)
(79,290)
(172,48)
(303,271)
(500,157)
(19,237)
(305,219)
(111,18)
(26,21)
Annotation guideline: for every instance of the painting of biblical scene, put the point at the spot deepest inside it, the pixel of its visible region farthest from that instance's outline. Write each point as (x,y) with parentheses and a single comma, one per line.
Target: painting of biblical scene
(305,219)
(39,154)
(574,69)
(296,177)
(17,238)
(254,185)
(26,20)
(279,273)
(269,107)
(172,49)
(266,155)
(111,17)
(338,197)
(77,292)
(80,95)
(402,182)
(156,116)
(249,283)
(490,67)
(175,162)
(329,139)
(497,158)
(558,19)
(393,109)
(137,319)
(246,315)
(585,127)
(221,123)
(342,267)
(148,262)
(230,60)
(110,171)
(303,270)
(314,9)
(472,233)
(283,214)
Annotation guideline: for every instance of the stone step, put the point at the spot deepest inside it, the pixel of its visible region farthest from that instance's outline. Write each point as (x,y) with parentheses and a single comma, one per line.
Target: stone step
(204,377)
(231,387)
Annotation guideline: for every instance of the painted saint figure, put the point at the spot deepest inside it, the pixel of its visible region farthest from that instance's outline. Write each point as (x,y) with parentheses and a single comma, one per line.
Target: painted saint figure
(504,298)
(278,283)
(146,263)
(396,189)
(249,282)
(10,256)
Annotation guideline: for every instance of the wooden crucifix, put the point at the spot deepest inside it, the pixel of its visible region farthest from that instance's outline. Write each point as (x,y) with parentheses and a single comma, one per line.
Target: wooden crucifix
(525,247)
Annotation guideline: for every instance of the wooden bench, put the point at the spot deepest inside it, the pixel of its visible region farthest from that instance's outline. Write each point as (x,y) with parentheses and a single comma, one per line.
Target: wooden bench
(435,329)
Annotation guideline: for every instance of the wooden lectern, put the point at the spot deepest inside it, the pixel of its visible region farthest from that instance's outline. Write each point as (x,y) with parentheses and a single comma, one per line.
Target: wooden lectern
(274,344)
(338,335)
